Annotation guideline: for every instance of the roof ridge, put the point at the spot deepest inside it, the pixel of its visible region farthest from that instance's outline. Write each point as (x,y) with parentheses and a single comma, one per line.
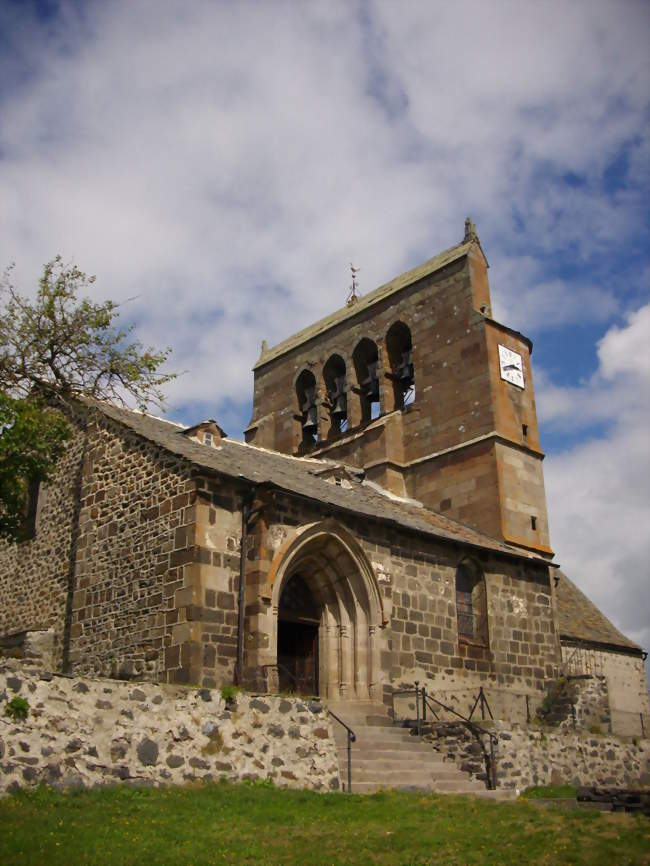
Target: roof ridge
(279,453)
(399,282)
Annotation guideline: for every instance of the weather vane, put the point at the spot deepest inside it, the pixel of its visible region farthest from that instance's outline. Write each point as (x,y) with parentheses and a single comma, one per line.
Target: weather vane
(353,297)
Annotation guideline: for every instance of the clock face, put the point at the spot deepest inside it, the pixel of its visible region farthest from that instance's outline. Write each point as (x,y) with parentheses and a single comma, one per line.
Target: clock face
(512,366)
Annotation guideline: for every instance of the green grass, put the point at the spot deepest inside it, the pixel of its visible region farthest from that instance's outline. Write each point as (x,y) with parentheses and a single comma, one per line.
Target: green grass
(232,824)
(551,792)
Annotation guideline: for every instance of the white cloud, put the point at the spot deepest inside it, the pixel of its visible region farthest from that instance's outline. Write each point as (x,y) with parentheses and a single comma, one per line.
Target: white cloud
(199,156)
(599,491)
(625,351)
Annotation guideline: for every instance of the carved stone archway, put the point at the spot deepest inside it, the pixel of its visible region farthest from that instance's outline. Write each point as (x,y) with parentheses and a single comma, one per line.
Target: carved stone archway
(334,567)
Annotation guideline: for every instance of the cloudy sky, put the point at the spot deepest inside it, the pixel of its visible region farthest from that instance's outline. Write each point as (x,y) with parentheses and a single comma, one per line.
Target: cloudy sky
(224,162)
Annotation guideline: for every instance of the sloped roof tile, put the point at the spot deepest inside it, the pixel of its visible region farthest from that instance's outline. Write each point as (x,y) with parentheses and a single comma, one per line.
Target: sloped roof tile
(301,475)
(580,619)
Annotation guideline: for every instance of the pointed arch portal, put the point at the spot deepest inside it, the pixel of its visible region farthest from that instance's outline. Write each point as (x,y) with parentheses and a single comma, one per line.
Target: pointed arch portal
(327,611)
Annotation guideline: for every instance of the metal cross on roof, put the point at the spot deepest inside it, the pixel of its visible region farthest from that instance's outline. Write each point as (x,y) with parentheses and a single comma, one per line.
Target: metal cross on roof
(352,296)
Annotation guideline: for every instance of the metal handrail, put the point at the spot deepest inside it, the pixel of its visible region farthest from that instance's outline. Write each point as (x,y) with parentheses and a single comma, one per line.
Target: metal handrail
(473,726)
(484,704)
(352,738)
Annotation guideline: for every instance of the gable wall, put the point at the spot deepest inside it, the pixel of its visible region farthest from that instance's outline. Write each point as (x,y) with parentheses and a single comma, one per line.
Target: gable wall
(135,525)
(34,574)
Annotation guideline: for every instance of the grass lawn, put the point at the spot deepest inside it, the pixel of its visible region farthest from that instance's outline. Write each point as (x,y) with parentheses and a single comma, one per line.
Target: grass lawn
(230,824)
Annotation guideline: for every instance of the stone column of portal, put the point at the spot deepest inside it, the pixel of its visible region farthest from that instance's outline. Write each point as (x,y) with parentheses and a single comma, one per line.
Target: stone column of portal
(332,659)
(373,665)
(347,649)
(361,653)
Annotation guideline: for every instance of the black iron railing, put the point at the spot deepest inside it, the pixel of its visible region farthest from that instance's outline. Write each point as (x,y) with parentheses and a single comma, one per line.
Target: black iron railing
(428,702)
(351,739)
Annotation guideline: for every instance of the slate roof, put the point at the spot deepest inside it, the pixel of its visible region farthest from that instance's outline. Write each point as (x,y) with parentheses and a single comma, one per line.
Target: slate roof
(301,475)
(580,619)
(430,266)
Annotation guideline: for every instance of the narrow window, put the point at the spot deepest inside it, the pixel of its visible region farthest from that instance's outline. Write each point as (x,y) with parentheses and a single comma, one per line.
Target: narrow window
(533,522)
(366,366)
(28,529)
(207,438)
(471,603)
(400,358)
(337,400)
(308,411)
(524,430)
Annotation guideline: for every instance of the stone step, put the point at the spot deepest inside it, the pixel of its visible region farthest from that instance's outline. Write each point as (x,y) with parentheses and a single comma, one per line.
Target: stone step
(422,776)
(378,733)
(363,742)
(371,751)
(501,794)
(375,769)
(363,787)
(390,756)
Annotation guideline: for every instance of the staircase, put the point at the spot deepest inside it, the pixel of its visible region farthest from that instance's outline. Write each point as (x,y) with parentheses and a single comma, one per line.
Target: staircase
(385,756)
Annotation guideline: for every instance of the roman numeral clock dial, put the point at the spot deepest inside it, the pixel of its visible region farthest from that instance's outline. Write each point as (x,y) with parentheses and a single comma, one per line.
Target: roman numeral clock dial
(512,366)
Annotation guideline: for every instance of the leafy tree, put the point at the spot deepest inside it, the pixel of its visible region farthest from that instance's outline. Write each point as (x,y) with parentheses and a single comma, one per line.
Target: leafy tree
(54,351)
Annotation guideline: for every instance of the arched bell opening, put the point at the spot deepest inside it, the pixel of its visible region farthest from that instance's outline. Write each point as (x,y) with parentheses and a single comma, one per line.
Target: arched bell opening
(308,407)
(400,358)
(337,398)
(328,611)
(366,365)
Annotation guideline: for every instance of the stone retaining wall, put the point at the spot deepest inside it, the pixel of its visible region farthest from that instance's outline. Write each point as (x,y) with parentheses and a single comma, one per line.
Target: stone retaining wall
(527,756)
(85,732)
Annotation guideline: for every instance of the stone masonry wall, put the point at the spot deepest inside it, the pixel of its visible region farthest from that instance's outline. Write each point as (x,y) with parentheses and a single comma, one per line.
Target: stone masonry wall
(84,732)
(136,507)
(526,756)
(157,567)
(416,579)
(211,611)
(624,673)
(34,574)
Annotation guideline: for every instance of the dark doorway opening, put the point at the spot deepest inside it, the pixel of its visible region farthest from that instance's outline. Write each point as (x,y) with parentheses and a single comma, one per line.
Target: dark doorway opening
(298,657)
(298,619)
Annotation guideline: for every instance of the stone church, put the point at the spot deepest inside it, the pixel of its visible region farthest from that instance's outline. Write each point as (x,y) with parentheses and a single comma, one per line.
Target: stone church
(383,523)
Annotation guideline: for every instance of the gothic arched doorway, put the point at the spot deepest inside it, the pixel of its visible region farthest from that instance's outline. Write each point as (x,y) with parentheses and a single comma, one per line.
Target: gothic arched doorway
(326,611)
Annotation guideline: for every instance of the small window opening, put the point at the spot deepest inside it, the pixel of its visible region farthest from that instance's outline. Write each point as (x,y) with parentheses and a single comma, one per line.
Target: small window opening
(28,529)
(400,357)
(524,430)
(306,394)
(337,400)
(471,603)
(366,365)
(207,438)
(533,522)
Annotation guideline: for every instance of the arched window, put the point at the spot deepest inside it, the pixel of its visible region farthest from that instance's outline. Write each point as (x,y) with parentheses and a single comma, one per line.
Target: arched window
(337,399)
(400,358)
(366,364)
(471,603)
(306,394)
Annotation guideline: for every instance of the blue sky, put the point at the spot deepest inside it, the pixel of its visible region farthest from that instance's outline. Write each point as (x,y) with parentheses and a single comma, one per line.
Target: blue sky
(224,162)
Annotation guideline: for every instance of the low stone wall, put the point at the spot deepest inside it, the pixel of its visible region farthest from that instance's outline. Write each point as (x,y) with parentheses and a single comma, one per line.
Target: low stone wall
(591,705)
(527,756)
(86,732)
